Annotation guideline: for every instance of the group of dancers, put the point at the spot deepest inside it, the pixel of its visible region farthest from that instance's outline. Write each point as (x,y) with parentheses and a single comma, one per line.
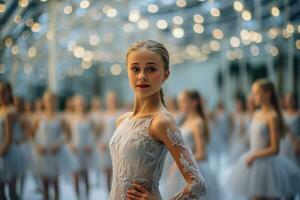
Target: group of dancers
(252,152)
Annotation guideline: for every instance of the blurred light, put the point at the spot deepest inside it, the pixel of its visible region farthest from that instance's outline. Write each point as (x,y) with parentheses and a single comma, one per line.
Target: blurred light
(8,41)
(254,50)
(244,34)
(290,28)
(112,12)
(297,44)
(298,28)
(246,15)
(23,3)
(162,24)
(198,28)
(215,45)
(273,32)
(88,56)
(94,40)
(15,49)
(36,27)
(101,71)
(181,3)
(43,0)
(29,22)
(84,4)
(191,49)
(275,11)
(2,68)
(68,9)
(17,19)
(238,6)
(286,34)
(115,69)
(230,55)
(178,20)
(238,53)
(128,27)
(31,52)
(50,35)
(215,12)
(257,37)
(134,16)
(274,51)
(2,7)
(86,64)
(71,45)
(235,41)
(178,32)
(79,52)
(27,68)
(106,8)
(143,24)
(218,33)
(152,8)
(198,18)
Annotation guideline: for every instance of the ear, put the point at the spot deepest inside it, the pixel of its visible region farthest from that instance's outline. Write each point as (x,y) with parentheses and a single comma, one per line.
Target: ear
(166,75)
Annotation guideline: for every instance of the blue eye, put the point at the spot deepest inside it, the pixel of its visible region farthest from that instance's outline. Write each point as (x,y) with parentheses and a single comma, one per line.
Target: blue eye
(134,69)
(151,69)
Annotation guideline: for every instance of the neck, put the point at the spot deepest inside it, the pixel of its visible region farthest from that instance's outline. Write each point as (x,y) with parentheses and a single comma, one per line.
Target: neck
(266,107)
(146,105)
(191,114)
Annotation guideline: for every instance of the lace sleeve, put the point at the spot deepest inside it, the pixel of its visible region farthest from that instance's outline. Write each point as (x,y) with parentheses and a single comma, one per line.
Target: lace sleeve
(195,186)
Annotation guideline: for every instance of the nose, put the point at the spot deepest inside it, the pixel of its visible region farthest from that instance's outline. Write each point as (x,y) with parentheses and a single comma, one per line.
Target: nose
(142,76)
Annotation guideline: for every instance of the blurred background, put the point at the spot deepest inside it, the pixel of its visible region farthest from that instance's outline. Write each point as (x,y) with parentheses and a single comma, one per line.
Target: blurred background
(218,47)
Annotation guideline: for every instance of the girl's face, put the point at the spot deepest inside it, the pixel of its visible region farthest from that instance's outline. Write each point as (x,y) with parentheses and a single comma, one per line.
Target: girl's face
(250,103)
(288,101)
(146,72)
(238,105)
(79,104)
(49,101)
(111,100)
(184,102)
(259,95)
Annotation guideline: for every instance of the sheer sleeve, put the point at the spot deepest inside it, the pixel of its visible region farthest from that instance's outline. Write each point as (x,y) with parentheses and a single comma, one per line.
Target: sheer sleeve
(195,186)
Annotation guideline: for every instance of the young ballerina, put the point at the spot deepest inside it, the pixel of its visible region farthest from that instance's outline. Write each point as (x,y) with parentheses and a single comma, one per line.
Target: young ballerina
(195,131)
(238,137)
(83,144)
(142,138)
(290,145)
(51,157)
(109,119)
(262,173)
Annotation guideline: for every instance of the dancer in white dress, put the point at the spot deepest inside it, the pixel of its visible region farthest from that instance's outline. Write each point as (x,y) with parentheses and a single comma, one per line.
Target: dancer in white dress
(109,118)
(238,136)
(11,155)
(51,156)
(261,173)
(83,144)
(290,145)
(142,138)
(196,135)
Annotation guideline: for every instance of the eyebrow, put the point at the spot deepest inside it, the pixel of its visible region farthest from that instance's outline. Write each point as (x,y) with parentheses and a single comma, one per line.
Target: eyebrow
(149,63)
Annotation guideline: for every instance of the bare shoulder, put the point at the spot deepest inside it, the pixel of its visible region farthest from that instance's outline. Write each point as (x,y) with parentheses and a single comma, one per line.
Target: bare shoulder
(272,117)
(121,118)
(161,123)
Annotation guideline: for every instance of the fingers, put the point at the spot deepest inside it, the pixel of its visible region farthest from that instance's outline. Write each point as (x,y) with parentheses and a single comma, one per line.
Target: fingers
(140,188)
(135,192)
(132,197)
